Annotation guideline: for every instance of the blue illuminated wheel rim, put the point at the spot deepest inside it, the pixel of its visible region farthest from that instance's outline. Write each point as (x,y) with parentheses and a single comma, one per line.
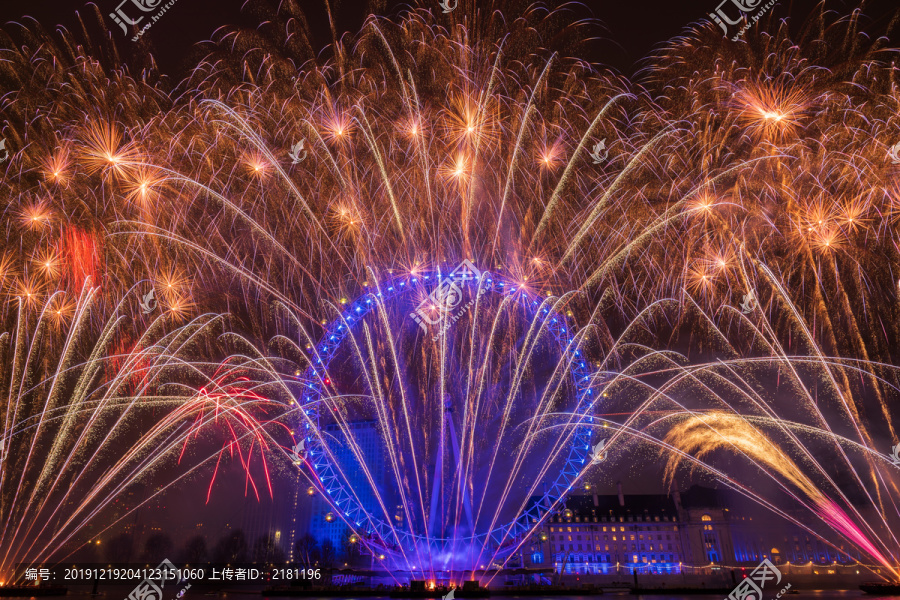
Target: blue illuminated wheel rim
(324,474)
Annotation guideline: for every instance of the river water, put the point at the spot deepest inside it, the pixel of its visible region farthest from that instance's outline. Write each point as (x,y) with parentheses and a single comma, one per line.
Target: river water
(122,594)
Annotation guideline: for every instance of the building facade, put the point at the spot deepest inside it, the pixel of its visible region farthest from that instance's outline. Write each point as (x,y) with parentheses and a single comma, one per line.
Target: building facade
(698,530)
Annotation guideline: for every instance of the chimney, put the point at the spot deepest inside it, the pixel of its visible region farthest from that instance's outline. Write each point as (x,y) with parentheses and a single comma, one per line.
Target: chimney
(676,496)
(596,501)
(621,495)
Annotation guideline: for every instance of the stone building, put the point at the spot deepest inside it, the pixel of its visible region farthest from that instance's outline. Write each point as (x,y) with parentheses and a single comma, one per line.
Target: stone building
(698,530)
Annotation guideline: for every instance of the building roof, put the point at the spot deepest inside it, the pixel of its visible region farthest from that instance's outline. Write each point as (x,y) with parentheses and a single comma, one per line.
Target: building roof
(698,496)
(652,505)
(635,504)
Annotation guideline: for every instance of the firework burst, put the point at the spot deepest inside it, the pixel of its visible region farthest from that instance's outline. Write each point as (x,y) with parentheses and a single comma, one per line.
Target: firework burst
(753,170)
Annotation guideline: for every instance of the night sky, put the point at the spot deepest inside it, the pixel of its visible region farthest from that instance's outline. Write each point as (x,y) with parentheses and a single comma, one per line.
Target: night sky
(633,28)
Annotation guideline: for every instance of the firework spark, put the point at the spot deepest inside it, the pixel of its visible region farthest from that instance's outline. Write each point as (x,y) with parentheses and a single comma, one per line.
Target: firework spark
(731,168)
